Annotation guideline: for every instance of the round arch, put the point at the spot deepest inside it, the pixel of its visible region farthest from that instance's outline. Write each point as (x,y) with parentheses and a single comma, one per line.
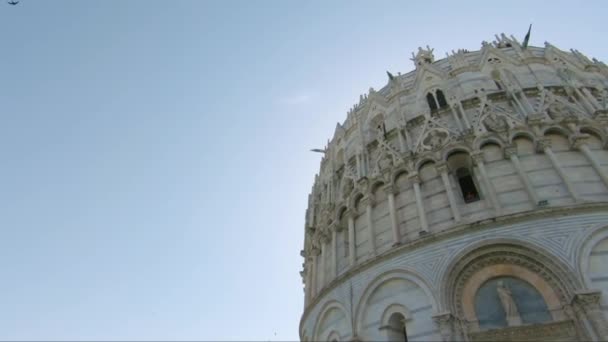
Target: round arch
(401,274)
(330,305)
(501,251)
(453,150)
(521,134)
(596,234)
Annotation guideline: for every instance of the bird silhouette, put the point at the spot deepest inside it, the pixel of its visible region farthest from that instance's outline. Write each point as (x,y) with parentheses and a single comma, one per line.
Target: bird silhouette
(13,2)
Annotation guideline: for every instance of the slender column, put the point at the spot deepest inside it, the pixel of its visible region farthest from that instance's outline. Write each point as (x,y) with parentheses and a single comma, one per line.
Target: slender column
(370,223)
(478,160)
(334,252)
(589,303)
(511,153)
(415,179)
(322,267)
(454,110)
(442,169)
(584,101)
(359,168)
(351,239)
(464,115)
(391,190)
(581,144)
(402,143)
(308,274)
(544,145)
(314,271)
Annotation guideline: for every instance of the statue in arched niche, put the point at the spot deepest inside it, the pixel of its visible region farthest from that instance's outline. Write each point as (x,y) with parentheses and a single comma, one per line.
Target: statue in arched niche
(508,304)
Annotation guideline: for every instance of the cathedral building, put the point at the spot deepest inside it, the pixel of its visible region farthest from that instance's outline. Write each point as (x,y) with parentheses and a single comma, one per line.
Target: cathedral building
(466,200)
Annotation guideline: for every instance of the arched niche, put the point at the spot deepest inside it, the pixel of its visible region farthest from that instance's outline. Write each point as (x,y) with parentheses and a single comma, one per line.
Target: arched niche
(559,139)
(492,151)
(524,270)
(524,144)
(394,292)
(332,321)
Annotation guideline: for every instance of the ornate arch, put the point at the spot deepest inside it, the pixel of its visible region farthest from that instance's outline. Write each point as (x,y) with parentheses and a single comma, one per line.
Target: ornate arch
(404,274)
(507,252)
(596,234)
(455,149)
(397,173)
(522,133)
(332,304)
(488,139)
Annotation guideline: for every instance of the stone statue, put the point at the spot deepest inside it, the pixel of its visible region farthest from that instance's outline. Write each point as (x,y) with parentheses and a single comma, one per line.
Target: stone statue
(508,304)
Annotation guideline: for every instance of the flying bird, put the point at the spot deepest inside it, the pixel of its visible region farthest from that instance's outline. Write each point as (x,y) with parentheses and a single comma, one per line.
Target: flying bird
(13,2)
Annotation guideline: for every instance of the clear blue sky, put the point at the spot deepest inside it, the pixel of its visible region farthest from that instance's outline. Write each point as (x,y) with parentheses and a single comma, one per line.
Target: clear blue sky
(154,155)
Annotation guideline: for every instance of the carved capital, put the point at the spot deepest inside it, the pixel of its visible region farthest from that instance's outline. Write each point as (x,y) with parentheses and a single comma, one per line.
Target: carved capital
(391,189)
(510,151)
(542,144)
(477,157)
(368,200)
(578,140)
(587,300)
(414,177)
(446,323)
(441,168)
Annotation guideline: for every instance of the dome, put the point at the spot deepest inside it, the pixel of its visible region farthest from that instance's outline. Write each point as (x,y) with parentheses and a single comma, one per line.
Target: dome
(465,200)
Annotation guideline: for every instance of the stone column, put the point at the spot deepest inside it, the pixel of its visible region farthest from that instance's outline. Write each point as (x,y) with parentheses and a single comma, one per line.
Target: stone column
(415,179)
(448,327)
(391,190)
(580,143)
(351,238)
(334,250)
(511,153)
(589,304)
(442,169)
(308,282)
(368,201)
(478,161)
(322,268)
(464,115)
(313,270)
(544,145)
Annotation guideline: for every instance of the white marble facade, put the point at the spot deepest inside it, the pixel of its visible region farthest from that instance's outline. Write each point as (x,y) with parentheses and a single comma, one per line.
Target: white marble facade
(483,172)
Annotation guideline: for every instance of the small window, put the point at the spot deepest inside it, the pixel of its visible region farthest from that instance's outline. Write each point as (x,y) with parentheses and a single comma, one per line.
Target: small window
(441,99)
(431,100)
(467,185)
(396,328)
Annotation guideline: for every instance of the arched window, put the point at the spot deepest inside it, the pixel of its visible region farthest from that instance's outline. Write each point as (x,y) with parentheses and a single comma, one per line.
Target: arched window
(396,328)
(441,99)
(467,185)
(431,100)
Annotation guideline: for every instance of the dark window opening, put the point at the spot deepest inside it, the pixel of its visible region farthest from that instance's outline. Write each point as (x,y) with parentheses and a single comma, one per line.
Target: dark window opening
(396,328)
(498,85)
(431,100)
(467,185)
(441,99)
